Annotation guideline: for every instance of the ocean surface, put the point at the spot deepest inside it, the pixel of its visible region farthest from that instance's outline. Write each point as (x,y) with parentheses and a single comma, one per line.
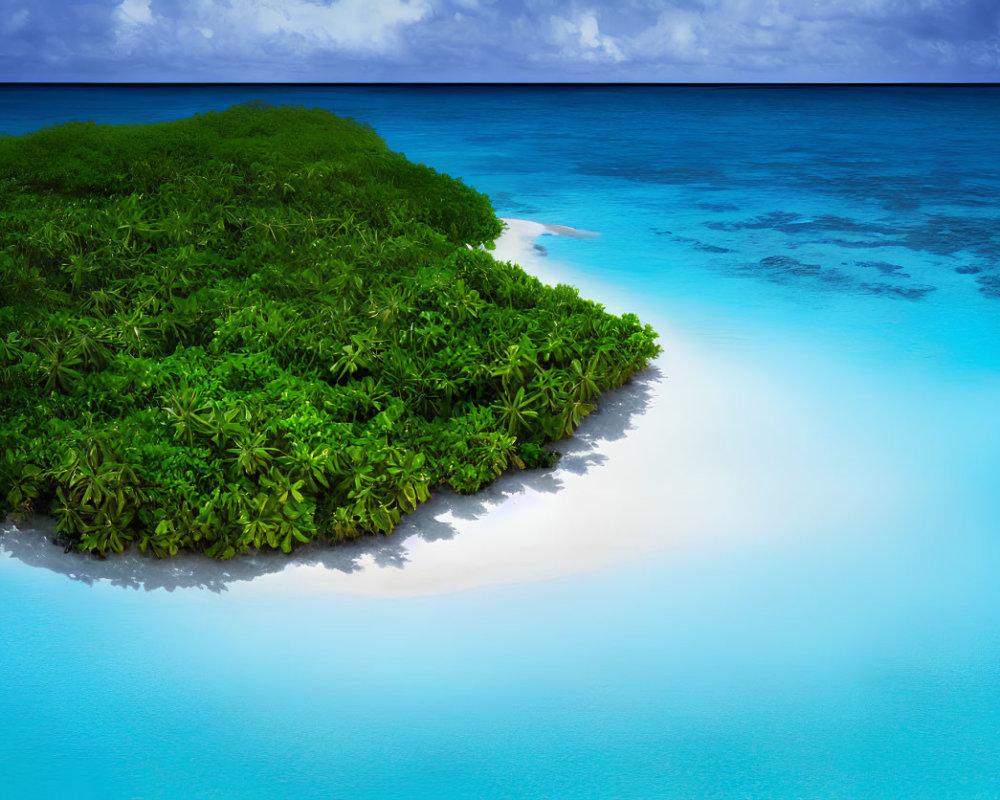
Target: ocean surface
(767,569)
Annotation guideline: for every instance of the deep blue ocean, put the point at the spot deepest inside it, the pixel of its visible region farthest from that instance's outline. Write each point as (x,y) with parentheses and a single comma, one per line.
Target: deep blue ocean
(818,614)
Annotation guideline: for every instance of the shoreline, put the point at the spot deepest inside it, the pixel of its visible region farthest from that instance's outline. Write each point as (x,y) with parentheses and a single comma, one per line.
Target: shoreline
(667,464)
(519,242)
(502,534)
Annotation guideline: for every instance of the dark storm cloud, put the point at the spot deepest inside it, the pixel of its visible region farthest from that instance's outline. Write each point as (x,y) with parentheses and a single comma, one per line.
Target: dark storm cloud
(488,40)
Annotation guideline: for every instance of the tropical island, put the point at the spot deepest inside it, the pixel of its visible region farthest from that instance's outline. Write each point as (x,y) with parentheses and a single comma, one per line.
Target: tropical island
(261,327)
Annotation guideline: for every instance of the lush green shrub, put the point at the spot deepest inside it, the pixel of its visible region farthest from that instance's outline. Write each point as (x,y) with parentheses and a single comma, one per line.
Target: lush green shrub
(252,328)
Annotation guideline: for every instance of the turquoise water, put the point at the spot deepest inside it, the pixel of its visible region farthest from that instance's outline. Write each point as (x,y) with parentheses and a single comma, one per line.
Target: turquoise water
(824,265)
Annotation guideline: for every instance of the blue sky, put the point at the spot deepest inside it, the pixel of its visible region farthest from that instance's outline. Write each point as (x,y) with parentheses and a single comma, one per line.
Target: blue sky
(500,40)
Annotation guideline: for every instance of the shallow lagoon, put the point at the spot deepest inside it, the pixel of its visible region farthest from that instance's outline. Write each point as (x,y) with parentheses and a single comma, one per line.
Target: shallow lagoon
(767,569)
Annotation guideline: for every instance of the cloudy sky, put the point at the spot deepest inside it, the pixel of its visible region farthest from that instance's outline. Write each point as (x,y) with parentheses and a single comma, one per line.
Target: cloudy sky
(500,40)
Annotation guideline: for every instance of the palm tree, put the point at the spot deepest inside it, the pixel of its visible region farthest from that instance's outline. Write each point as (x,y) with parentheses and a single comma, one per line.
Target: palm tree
(516,412)
(406,468)
(58,365)
(516,364)
(572,414)
(583,380)
(252,454)
(187,413)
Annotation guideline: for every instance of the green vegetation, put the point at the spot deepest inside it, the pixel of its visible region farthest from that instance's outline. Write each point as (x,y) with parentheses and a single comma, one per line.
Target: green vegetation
(254,328)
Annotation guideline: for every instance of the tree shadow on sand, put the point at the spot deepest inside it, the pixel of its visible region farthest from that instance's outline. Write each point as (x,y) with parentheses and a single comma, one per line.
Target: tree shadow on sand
(32,542)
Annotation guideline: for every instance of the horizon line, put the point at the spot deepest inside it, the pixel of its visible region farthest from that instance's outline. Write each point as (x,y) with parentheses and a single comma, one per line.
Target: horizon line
(523,84)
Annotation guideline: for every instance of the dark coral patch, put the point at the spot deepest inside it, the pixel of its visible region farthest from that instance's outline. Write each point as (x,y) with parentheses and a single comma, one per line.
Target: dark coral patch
(940,234)
(884,267)
(792,222)
(890,290)
(785,269)
(695,243)
(989,285)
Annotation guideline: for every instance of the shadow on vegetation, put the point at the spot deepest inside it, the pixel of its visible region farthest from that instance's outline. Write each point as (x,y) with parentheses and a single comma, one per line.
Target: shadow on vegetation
(614,418)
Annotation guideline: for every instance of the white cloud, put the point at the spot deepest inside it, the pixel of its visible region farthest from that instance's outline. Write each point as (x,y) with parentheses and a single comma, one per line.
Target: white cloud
(248,29)
(350,24)
(133,12)
(676,36)
(767,39)
(505,39)
(129,17)
(581,38)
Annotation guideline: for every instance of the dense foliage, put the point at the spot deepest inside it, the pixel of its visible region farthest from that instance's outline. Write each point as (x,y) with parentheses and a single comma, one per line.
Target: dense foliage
(254,328)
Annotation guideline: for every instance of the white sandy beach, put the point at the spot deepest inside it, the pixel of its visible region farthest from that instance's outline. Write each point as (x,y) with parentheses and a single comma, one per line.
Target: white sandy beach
(700,450)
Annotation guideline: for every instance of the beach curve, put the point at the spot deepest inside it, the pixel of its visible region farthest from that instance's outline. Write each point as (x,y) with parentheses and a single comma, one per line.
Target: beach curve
(666,464)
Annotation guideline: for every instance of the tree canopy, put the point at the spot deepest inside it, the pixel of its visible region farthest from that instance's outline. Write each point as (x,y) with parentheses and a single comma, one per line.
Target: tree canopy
(255,328)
